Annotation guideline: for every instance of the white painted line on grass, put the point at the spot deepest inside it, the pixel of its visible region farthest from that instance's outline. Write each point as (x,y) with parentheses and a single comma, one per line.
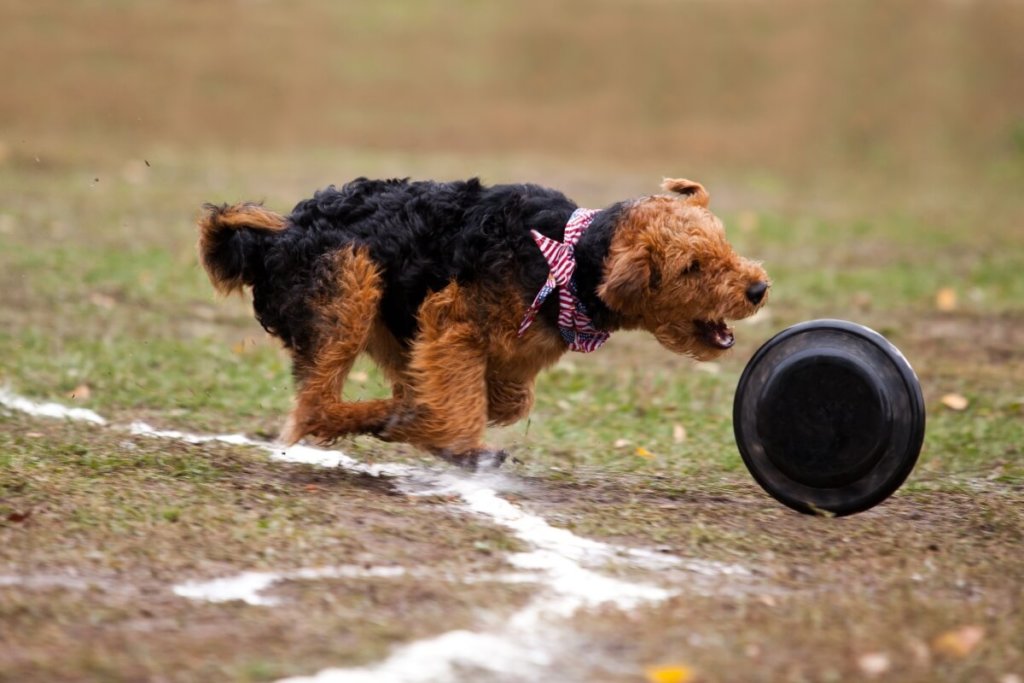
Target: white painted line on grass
(520,647)
(55,410)
(44,581)
(524,646)
(247,586)
(298,453)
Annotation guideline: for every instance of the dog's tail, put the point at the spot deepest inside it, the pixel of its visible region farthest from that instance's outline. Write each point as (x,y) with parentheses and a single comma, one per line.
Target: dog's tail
(231,242)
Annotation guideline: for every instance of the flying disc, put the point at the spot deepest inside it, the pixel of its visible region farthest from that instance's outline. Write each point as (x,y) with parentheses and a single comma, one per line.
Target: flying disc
(829,417)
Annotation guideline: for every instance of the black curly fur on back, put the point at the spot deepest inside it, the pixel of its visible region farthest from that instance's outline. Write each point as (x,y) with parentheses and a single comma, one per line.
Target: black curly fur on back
(423,235)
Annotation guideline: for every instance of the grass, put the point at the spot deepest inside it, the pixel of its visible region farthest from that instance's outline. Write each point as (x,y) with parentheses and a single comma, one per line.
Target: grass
(135,322)
(126,517)
(867,181)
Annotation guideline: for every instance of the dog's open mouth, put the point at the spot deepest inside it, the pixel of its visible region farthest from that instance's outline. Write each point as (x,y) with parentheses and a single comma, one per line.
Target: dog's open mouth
(715,333)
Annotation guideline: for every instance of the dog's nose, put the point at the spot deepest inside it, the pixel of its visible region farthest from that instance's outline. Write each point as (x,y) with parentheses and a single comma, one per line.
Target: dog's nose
(756,292)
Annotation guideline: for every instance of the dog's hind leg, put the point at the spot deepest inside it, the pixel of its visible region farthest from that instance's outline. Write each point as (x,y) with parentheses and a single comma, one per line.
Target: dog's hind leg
(345,312)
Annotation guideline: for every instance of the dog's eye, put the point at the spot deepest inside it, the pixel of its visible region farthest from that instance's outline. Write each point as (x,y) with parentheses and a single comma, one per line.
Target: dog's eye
(692,269)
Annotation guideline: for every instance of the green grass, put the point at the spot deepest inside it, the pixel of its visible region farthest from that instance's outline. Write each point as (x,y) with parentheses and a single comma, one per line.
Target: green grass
(140,327)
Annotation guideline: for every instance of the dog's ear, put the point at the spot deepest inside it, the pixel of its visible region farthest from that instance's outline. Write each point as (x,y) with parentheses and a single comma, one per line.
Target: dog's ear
(693,192)
(627,279)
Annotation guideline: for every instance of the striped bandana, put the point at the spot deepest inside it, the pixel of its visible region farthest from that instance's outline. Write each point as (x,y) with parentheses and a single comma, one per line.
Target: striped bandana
(574,324)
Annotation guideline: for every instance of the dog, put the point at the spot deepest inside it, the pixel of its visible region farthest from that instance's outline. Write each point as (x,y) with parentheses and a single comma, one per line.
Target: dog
(462,293)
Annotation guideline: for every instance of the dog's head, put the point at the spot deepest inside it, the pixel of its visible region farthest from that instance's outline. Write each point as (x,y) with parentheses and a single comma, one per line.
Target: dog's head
(671,271)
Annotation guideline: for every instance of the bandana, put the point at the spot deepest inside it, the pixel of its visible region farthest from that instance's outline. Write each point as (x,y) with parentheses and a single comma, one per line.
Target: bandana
(574,324)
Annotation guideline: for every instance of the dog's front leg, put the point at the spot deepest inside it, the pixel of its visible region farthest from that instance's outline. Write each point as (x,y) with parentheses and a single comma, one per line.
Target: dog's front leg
(445,404)
(508,400)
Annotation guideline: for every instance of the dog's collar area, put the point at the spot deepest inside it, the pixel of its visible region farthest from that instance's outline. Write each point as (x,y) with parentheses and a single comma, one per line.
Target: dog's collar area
(574,323)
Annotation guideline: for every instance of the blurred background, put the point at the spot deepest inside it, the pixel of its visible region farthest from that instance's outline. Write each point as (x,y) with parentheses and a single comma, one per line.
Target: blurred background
(917,90)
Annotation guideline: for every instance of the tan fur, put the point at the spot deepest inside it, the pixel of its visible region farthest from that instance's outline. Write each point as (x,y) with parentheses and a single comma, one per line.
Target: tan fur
(659,240)
(468,369)
(346,321)
(693,191)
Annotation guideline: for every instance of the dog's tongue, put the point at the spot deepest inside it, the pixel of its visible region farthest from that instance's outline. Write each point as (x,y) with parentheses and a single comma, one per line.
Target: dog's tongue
(718,334)
(723,336)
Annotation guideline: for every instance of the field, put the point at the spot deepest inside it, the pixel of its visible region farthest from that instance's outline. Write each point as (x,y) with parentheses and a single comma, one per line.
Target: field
(872,157)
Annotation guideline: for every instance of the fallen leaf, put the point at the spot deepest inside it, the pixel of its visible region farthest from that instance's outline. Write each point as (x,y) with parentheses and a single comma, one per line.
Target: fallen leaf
(81,393)
(874,663)
(678,433)
(644,453)
(945,299)
(102,300)
(669,674)
(19,516)
(955,402)
(243,346)
(959,642)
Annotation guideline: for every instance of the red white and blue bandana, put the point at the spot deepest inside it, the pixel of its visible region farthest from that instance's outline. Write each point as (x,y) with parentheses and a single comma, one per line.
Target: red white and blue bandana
(574,324)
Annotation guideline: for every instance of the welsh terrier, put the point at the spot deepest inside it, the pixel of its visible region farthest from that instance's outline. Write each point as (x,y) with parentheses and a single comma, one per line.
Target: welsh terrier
(462,293)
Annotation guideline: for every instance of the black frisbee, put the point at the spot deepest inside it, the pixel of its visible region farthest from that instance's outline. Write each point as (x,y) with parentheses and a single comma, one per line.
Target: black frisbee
(829,416)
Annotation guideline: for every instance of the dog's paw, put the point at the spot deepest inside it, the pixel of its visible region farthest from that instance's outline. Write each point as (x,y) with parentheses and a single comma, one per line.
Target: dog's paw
(487,459)
(322,439)
(309,426)
(392,428)
(476,459)
(291,432)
